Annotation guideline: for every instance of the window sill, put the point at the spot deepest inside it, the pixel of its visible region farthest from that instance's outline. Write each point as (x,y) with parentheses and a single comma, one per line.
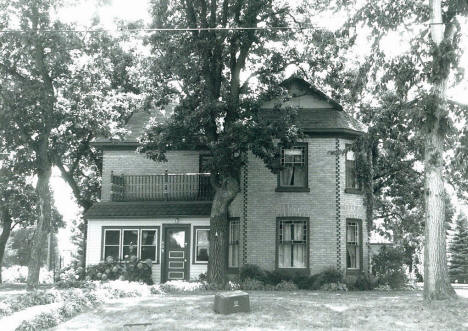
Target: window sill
(200,263)
(353,191)
(292,189)
(303,271)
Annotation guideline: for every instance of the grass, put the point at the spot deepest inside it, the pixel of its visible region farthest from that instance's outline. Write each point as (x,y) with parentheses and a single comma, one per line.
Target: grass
(298,310)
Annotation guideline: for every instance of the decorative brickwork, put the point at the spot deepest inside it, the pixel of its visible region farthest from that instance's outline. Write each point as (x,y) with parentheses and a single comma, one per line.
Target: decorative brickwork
(338,205)
(244,186)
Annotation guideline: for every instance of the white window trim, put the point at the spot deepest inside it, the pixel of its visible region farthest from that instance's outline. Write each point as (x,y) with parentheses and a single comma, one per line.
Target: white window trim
(156,255)
(122,257)
(196,247)
(354,243)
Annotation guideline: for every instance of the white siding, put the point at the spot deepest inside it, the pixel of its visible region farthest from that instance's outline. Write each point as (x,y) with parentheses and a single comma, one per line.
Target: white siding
(94,242)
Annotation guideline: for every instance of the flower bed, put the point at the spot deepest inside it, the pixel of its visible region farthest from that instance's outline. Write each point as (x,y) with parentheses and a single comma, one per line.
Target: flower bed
(69,302)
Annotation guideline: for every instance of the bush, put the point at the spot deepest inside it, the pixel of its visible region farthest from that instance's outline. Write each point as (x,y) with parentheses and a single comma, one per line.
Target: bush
(73,301)
(254,278)
(387,266)
(361,283)
(130,269)
(252,271)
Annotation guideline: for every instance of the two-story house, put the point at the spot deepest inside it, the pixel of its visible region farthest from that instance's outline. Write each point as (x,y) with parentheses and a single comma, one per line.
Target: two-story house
(308,217)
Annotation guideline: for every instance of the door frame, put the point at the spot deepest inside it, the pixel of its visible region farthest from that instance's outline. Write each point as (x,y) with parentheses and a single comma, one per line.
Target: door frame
(164,263)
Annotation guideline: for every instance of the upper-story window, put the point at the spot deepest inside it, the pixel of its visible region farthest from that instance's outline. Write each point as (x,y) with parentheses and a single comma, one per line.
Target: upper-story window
(293,173)
(352,182)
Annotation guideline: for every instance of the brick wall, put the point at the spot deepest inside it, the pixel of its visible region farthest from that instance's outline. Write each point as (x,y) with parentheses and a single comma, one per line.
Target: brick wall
(352,206)
(128,162)
(265,205)
(319,205)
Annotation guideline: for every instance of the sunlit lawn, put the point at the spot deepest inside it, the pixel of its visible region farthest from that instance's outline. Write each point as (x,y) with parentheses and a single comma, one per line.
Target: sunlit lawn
(282,310)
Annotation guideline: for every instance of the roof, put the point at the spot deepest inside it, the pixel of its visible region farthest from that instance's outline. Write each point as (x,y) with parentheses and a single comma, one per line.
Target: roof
(149,209)
(309,88)
(323,121)
(331,119)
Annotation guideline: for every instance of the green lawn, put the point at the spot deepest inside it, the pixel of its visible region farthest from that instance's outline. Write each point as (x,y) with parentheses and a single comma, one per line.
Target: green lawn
(299,310)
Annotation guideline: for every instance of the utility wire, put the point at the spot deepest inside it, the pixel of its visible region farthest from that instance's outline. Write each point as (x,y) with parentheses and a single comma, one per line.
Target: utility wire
(309,27)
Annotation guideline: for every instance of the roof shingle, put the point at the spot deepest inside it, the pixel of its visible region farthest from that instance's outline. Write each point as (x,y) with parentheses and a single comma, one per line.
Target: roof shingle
(149,209)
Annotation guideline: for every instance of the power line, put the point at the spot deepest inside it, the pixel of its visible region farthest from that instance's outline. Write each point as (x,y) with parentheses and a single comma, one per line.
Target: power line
(308,27)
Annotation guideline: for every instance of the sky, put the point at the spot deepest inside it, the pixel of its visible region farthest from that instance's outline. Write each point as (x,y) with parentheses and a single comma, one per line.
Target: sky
(83,12)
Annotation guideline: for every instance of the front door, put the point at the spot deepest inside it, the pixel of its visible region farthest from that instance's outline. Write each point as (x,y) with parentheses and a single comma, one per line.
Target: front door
(176,254)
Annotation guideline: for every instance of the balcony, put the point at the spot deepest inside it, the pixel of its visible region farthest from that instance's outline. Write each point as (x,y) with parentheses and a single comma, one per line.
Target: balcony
(166,187)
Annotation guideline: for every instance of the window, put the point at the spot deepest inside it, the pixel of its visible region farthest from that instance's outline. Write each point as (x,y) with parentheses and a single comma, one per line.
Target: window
(233,250)
(292,243)
(353,244)
(130,243)
(148,248)
(293,173)
(202,245)
(352,183)
(121,243)
(112,244)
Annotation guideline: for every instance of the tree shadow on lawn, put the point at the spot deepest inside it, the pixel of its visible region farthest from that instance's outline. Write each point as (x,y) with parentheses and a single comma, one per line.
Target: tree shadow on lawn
(281,310)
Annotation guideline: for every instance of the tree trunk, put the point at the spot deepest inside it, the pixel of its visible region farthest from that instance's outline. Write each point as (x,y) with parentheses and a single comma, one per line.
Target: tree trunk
(6,230)
(217,263)
(43,224)
(436,281)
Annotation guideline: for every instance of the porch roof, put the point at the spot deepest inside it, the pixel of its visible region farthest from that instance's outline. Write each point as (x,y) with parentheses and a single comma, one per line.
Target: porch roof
(149,209)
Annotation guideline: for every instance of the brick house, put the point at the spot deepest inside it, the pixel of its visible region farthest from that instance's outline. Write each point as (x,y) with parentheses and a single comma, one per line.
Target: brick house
(309,217)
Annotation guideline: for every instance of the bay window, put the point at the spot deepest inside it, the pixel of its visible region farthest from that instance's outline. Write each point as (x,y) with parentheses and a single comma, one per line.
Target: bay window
(293,171)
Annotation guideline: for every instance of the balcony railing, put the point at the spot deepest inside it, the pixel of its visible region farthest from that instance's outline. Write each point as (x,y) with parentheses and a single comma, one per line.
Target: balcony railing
(166,187)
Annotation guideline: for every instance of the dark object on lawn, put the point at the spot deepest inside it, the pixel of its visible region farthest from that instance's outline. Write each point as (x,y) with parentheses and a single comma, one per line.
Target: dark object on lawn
(231,302)
(136,326)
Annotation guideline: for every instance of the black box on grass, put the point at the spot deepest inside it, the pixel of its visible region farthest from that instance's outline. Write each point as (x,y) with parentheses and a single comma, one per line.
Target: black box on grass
(232,302)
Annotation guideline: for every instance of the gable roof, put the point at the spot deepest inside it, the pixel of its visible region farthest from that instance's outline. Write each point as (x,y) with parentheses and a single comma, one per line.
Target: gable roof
(332,119)
(149,209)
(310,89)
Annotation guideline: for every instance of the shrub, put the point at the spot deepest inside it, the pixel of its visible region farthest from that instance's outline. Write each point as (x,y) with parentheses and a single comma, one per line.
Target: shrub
(387,266)
(252,271)
(360,283)
(130,269)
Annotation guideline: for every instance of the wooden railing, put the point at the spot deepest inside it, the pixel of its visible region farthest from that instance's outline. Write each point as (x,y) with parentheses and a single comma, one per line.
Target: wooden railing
(168,187)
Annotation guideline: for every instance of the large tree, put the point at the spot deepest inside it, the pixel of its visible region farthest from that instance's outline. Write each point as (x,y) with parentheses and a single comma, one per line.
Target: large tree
(427,67)
(217,109)
(57,94)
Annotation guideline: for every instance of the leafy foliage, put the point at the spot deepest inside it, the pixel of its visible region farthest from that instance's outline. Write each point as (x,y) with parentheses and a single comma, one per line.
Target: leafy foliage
(387,266)
(458,250)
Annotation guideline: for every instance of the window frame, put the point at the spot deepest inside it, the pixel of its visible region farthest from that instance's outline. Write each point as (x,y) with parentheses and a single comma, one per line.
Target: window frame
(359,245)
(233,269)
(306,220)
(357,189)
(103,250)
(194,254)
(304,188)
(121,229)
(156,253)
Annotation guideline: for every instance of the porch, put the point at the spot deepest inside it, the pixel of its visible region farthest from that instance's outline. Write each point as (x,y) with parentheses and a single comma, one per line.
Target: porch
(163,187)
